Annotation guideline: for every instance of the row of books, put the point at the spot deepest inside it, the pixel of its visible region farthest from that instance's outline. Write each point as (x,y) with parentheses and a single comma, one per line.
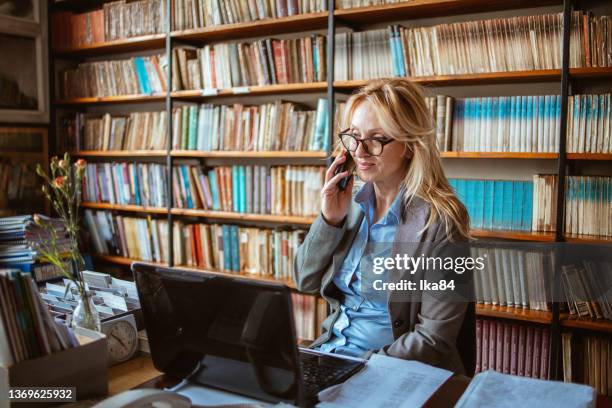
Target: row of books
(189,14)
(586,286)
(262,62)
(512,348)
(138,131)
(280,190)
(544,203)
(223,247)
(133,76)
(126,183)
(441,110)
(514,277)
(495,45)
(588,205)
(598,47)
(587,359)
(114,21)
(27,329)
(255,251)
(589,124)
(506,124)
(280,125)
(306,316)
(497,204)
(344,4)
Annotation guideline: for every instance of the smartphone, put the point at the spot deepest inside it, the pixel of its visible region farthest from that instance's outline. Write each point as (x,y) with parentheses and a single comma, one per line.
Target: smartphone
(349,165)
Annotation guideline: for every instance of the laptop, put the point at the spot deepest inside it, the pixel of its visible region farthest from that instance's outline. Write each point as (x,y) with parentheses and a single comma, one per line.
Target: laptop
(234,334)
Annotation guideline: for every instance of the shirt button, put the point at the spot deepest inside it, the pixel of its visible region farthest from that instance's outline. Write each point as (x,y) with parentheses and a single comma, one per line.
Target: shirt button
(398,323)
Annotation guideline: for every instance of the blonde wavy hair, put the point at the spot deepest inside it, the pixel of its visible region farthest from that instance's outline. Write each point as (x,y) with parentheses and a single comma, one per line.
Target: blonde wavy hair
(402,111)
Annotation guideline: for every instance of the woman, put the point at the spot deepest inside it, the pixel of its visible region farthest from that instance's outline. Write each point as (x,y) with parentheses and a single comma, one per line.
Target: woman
(406,198)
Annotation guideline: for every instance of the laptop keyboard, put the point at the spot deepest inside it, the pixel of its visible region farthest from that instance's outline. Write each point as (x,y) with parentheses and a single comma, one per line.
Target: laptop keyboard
(317,376)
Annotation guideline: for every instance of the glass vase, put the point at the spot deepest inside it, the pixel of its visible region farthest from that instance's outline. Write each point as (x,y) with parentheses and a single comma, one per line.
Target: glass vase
(85,314)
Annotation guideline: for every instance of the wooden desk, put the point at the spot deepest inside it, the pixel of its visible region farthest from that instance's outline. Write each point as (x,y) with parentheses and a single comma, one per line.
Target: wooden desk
(131,374)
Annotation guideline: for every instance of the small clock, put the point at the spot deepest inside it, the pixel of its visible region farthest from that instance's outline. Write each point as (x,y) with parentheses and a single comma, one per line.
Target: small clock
(121,337)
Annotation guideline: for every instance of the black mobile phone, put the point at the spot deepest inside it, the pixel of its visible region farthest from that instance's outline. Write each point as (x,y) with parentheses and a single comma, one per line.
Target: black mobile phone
(349,165)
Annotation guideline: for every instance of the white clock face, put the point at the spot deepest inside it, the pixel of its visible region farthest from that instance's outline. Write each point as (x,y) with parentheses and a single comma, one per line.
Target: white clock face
(122,341)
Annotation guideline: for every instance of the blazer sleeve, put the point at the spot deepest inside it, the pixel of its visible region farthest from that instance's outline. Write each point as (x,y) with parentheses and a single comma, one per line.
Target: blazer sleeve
(315,254)
(433,340)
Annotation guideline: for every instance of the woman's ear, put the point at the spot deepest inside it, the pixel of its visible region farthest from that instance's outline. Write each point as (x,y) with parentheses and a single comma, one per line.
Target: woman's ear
(408,153)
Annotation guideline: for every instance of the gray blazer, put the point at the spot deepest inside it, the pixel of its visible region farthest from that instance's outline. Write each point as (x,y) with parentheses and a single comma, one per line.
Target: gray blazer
(427,328)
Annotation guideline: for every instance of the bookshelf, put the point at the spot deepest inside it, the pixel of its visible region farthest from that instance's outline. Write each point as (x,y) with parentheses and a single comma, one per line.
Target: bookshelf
(354,19)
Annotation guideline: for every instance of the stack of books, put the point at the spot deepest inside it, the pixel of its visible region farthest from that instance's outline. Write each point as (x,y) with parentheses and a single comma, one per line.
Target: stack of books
(586,359)
(512,348)
(305,317)
(20,238)
(27,329)
(589,123)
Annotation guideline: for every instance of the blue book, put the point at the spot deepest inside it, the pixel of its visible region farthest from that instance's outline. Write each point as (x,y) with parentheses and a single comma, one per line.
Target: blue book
(453,184)
(227,247)
(461,190)
(518,203)
(487,217)
(470,193)
(527,205)
(193,128)
(185,172)
(212,179)
(507,204)
(135,181)
(400,52)
(235,189)
(242,189)
(143,78)
(478,218)
(498,196)
(235,248)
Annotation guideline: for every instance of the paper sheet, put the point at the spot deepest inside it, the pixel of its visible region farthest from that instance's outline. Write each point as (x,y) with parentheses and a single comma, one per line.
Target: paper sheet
(495,390)
(386,382)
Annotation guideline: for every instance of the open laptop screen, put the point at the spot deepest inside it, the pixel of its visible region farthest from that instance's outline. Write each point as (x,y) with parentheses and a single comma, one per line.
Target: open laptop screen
(230,333)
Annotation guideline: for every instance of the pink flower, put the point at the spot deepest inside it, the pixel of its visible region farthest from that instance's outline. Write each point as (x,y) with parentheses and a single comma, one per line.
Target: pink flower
(80,164)
(59,182)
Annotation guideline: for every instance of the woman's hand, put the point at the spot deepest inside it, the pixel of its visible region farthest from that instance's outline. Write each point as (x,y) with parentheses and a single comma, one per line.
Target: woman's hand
(335,203)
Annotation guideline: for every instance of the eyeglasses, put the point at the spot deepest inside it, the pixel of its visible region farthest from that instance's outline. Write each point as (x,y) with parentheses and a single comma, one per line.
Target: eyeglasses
(372,145)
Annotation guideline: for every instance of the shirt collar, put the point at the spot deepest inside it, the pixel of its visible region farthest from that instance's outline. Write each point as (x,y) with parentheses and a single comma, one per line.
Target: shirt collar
(365,198)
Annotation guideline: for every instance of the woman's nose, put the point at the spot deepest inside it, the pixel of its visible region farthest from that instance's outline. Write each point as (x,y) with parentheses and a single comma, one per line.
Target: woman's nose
(361,151)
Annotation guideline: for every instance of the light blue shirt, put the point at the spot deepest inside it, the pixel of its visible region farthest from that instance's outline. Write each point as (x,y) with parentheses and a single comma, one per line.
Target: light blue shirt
(363,324)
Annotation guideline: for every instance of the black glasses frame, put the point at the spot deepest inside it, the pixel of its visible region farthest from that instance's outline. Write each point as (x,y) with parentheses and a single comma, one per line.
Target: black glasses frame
(383,143)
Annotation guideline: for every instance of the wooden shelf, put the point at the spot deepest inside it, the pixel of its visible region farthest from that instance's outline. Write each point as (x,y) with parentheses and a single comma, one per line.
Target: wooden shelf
(197,94)
(119,153)
(587,324)
(589,156)
(145,42)
(497,155)
(119,207)
(588,239)
(120,260)
(470,79)
(226,215)
(250,155)
(111,99)
(429,8)
(515,235)
(258,28)
(262,278)
(514,313)
(591,72)
(23,155)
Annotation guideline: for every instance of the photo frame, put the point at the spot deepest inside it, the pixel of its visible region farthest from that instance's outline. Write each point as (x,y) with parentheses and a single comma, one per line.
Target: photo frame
(24,70)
